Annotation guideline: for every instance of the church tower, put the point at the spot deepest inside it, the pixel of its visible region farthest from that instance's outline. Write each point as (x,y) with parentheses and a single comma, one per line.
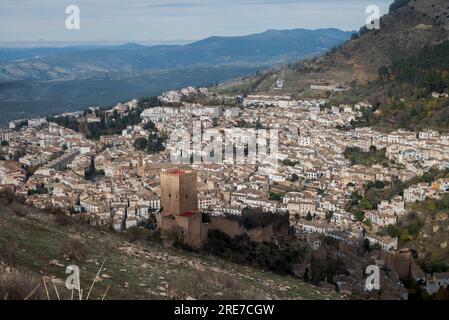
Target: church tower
(141,166)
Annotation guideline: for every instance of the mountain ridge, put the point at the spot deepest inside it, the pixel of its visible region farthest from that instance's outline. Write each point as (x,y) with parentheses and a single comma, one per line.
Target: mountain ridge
(256,49)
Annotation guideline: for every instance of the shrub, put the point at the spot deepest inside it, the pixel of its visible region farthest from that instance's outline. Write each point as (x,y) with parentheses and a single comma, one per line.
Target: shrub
(10,253)
(75,249)
(20,285)
(18,210)
(280,258)
(63,220)
(256,218)
(136,234)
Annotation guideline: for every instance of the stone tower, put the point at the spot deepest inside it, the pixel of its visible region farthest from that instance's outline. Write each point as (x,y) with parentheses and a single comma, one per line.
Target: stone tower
(179,202)
(179,192)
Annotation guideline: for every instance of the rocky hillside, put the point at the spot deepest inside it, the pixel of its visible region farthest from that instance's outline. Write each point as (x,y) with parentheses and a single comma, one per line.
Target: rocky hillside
(405,31)
(35,245)
(425,230)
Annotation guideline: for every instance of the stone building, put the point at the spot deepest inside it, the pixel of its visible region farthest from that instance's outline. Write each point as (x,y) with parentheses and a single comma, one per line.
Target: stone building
(180,215)
(179,206)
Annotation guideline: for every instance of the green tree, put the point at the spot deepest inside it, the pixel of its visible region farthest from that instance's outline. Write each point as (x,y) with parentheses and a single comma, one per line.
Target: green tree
(355,36)
(276,196)
(366,244)
(329,216)
(140,144)
(379,184)
(359,215)
(406,236)
(309,216)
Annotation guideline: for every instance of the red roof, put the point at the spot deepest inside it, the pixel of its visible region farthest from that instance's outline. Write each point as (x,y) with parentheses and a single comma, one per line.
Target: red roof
(187,214)
(178,172)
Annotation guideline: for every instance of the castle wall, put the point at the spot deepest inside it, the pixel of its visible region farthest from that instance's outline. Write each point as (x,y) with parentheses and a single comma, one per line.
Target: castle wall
(400,262)
(192,227)
(233,229)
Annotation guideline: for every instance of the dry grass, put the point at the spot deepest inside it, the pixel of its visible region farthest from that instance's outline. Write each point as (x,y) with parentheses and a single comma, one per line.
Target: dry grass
(21,285)
(18,210)
(10,253)
(64,220)
(75,249)
(213,286)
(31,243)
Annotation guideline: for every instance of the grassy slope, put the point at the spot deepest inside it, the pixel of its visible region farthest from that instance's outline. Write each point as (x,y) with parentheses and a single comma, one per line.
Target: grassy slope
(146,271)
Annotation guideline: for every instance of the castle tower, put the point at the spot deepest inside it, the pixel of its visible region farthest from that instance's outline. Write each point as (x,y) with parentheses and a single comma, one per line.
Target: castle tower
(179,192)
(179,202)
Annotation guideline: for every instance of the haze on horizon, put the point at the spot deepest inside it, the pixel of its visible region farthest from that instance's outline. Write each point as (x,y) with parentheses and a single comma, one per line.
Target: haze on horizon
(172,21)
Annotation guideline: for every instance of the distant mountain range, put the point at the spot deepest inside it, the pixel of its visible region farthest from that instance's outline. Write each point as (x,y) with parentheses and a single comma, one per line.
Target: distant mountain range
(53,80)
(85,62)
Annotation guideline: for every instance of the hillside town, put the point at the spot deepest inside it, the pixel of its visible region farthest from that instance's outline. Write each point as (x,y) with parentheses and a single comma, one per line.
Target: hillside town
(115,181)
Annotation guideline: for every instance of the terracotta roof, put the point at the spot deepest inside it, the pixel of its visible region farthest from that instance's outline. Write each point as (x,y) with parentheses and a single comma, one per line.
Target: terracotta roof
(187,214)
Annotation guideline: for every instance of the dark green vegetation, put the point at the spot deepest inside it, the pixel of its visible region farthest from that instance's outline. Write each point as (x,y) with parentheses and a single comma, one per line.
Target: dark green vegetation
(432,207)
(136,265)
(414,78)
(108,125)
(375,192)
(413,114)
(35,98)
(255,218)
(427,72)
(408,229)
(153,144)
(276,196)
(372,157)
(397,4)
(280,258)
(424,229)
(290,163)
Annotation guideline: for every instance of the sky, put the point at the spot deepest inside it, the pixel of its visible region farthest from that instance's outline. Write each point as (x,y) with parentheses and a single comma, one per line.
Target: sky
(173,21)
